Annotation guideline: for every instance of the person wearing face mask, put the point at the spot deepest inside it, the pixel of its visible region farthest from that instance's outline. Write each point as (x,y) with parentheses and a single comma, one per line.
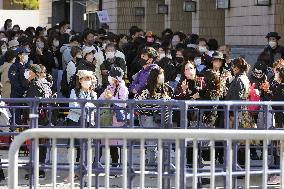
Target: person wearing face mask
(168,66)
(70,71)
(204,51)
(148,59)
(150,114)
(3,50)
(110,61)
(16,72)
(10,57)
(19,79)
(274,50)
(37,89)
(7,25)
(150,38)
(116,90)
(83,90)
(66,49)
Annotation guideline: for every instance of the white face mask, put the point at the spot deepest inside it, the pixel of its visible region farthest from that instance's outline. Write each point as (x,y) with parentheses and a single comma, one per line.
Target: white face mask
(162,55)
(86,84)
(161,79)
(26,59)
(104,46)
(272,44)
(202,49)
(197,61)
(40,45)
(4,50)
(110,55)
(79,56)
(27,74)
(56,43)
(110,80)
(169,56)
(45,33)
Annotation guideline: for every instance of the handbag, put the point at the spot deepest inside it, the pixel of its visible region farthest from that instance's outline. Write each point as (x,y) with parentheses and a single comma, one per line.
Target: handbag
(106,117)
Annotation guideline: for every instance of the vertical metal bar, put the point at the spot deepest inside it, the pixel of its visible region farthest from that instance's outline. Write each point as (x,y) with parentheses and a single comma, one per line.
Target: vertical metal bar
(89,151)
(264,164)
(229,169)
(142,163)
(247,166)
(107,163)
(194,162)
(281,165)
(160,163)
(184,123)
(124,164)
(177,181)
(71,160)
(54,163)
(212,170)
(36,163)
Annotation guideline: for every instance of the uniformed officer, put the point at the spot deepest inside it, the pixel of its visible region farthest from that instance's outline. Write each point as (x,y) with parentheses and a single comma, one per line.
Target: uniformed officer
(19,83)
(16,74)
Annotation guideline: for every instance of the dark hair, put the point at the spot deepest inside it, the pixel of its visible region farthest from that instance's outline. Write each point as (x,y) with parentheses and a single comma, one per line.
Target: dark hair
(193,38)
(182,78)
(75,50)
(43,40)
(153,79)
(10,55)
(1,43)
(6,23)
(241,64)
(264,57)
(16,26)
(189,54)
(111,45)
(213,45)
(181,35)
(86,33)
(102,31)
(132,30)
(169,31)
(202,39)
(63,23)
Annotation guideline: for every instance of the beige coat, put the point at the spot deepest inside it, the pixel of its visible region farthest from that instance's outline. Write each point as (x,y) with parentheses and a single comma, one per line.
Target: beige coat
(6,91)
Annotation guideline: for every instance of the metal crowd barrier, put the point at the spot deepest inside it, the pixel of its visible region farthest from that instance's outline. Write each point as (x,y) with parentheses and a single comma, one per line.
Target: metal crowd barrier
(56,110)
(230,136)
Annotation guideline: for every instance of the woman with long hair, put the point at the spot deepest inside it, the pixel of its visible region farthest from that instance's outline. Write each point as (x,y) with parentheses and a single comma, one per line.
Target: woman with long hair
(150,114)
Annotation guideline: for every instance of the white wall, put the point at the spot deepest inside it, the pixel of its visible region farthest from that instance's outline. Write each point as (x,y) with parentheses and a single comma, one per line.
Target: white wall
(24,18)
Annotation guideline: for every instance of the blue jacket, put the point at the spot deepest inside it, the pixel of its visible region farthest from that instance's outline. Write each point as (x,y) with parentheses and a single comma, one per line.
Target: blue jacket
(19,84)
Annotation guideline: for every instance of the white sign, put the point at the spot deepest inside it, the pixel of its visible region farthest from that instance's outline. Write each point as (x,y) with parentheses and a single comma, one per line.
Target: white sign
(103,16)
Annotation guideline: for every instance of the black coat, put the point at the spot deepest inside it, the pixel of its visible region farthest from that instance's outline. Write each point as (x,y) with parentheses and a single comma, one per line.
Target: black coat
(278,95)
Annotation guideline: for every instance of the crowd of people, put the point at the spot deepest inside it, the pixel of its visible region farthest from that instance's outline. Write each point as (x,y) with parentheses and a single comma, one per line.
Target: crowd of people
(142,65)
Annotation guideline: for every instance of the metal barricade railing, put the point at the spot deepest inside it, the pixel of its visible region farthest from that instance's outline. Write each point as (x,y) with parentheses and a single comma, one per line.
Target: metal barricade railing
(225,108)
(194,135)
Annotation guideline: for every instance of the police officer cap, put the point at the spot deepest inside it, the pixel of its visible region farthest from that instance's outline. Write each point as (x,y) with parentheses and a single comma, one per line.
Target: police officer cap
(35,68)
(21,50)
(273,34)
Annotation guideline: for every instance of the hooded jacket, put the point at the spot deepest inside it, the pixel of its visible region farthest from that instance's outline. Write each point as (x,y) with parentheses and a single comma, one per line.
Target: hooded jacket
(141,78)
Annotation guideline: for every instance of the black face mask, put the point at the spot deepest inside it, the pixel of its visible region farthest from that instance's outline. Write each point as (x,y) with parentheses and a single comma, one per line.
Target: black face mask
(78,59)
(179,60)
(143,62)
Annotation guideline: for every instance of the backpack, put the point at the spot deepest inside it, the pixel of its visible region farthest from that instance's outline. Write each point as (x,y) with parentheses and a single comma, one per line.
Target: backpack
(65,89)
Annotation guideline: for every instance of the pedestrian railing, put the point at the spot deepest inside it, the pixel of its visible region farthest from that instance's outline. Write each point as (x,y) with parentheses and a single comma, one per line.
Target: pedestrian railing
(188,114)
(177,137)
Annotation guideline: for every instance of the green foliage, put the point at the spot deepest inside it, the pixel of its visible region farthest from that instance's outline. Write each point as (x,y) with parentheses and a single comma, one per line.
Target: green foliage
(28,4)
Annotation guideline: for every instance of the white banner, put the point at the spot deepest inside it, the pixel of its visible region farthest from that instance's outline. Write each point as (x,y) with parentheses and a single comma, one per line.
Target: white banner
(103,16)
